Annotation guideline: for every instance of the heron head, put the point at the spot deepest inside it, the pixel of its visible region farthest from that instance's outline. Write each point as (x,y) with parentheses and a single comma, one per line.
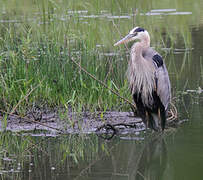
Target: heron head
(135,33)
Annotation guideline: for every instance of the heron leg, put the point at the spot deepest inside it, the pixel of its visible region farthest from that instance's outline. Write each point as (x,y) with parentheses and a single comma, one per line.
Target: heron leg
(147,119)
(162,117)
(159,116)
(153,121)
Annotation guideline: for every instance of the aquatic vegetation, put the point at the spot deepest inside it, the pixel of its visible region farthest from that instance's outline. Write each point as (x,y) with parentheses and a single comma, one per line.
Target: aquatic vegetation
(36,47)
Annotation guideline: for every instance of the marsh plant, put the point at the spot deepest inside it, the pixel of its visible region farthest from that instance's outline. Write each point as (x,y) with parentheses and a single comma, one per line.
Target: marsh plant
(37,42)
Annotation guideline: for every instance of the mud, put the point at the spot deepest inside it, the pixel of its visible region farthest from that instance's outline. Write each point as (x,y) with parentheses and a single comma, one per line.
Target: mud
(53,123)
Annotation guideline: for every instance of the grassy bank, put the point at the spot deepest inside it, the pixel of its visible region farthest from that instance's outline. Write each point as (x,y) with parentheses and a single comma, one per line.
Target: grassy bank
(38,39)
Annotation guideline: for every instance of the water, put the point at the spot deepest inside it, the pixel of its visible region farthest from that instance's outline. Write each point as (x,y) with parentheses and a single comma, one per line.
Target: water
(177,154)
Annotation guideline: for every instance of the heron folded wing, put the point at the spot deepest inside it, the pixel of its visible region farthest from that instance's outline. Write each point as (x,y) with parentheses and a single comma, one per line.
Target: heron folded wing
(163,85)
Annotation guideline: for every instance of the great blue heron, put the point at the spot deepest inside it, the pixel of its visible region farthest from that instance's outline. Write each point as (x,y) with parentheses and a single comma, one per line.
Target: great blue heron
(148,80)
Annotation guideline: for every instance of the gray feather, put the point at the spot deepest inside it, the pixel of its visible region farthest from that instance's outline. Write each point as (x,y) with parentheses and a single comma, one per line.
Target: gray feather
(161,74)
(163,85)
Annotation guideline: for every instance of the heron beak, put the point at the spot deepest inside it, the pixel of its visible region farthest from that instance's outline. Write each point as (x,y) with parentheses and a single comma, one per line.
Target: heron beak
(124,40)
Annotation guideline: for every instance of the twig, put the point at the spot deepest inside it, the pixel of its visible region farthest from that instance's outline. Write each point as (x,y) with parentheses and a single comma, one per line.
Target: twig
(33,121)
(119,34)
(33,145)
(109,70)
(21,100)
(102,83)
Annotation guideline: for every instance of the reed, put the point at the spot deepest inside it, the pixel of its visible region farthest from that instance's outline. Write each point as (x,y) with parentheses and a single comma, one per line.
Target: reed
(36,48)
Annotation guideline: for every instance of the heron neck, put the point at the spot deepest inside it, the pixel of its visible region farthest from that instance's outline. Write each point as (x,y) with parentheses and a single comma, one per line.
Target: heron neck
(138,50)
(139,47)
(145,42)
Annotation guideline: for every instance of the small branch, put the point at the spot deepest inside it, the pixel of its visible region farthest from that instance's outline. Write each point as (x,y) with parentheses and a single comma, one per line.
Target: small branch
(33,121)
(102,83)
(21,100)
(119,34)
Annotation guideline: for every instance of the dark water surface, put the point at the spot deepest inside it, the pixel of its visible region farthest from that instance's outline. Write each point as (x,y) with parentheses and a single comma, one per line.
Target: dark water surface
(177,154)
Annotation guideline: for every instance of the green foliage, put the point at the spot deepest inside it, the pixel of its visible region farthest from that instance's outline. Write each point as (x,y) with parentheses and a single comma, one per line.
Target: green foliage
(38,39)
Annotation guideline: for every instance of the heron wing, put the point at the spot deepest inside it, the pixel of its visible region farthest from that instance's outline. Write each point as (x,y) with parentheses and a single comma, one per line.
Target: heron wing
(163,87)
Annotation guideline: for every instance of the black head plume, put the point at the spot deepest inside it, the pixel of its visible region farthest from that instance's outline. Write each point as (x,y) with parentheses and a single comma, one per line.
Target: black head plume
(139,30)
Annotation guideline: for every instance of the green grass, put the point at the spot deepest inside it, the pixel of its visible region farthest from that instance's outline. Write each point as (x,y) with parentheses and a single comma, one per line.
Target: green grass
(35,52)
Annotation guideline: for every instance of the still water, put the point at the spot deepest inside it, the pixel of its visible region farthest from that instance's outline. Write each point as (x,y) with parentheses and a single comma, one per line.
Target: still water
(176,154)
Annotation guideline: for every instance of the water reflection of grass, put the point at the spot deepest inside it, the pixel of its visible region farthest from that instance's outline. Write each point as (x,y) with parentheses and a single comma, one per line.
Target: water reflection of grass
(36,48)
(42,156)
